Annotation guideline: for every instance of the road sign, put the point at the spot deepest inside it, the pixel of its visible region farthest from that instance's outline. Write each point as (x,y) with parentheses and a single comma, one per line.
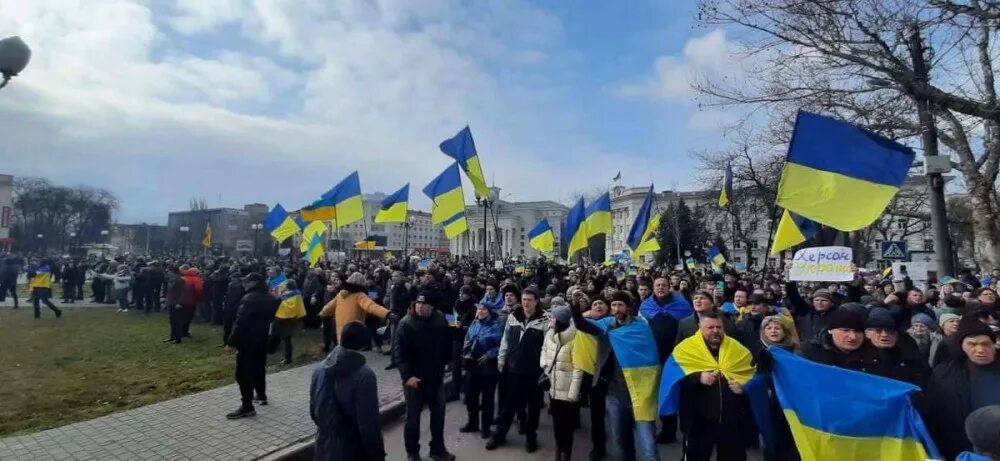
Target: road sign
(244,246)
(894,250)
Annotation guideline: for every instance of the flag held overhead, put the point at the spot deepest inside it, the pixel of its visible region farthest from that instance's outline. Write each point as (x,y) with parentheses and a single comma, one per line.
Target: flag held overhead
(727,186)
(574,234)
(840,175)
(280,224)
(541,237)
(346,198)
(793,229)
(448,201)
(598,216)
(462,148)
(395,206)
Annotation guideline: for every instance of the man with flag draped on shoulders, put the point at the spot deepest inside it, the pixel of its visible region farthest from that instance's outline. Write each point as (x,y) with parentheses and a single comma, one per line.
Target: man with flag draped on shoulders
(703,381)
(628,361)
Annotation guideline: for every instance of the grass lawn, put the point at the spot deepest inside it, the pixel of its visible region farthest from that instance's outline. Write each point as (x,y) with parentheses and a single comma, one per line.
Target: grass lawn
(94,361)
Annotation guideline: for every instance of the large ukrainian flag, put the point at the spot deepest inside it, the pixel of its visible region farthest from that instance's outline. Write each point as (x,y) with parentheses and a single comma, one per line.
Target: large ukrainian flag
(448,208)
(320,210)
(394,207)
(574,231)
(840,175)
(280,224)
(793,229)
(692,356)
(727,186)
(635,349)
(313,229)
(314,250)
(346,198)
(642,236)
(598,216)
(715,258)
(837,414)
(462,148)
(541,237)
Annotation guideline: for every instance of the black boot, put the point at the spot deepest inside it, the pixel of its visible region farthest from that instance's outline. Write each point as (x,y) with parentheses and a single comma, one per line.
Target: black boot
(495,442)
(532,445)
(472,424)
(242,412)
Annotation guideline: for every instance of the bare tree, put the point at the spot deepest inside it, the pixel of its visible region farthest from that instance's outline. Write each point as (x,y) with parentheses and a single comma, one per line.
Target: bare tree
(56,213)
(855,59)
(198,204)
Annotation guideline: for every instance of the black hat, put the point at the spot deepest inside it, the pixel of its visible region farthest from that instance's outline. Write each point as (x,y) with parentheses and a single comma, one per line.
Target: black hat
(840,318)
(354,336)
(622,296)
(757,298)
(970,325)
(981,428)
(880,317)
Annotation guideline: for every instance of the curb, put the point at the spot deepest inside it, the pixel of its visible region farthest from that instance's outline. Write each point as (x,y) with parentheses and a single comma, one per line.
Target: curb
(302,449)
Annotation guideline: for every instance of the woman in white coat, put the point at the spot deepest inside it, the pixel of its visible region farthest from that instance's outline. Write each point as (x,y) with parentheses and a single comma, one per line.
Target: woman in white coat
(563,380)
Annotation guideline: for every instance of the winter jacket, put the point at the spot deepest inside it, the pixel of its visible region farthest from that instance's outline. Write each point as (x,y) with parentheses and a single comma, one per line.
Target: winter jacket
(949,402)
(422,347)
(399,299)
(194,287)
(557,362)
(8,272)
(494,303)
(864,359)
(351,305)
(252,325)
(175,290)
(482,339)
(521,345)
(344,403)
(234,293)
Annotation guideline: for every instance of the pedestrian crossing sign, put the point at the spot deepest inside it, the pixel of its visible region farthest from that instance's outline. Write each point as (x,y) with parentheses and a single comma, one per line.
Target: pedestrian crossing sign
(894,250)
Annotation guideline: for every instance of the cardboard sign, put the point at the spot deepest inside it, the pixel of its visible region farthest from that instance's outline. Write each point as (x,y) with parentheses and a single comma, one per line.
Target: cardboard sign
(822,264)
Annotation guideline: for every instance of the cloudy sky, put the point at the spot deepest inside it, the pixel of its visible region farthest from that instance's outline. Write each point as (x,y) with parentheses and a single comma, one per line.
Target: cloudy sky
(242,101)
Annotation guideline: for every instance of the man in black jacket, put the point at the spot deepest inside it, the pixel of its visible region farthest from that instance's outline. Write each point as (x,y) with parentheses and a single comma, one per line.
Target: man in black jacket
(234,294)
(249,338)
(398,302)
(422,347)
(343,402)
(8,279)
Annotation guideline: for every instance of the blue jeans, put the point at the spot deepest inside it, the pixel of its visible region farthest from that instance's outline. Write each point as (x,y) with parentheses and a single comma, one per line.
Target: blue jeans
(628,439)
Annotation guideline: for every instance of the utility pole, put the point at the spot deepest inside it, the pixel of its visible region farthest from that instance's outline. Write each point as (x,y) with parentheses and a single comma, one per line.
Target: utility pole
(932,161)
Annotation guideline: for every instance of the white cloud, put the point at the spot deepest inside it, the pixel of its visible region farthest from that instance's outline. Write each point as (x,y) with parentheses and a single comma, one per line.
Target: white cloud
(674,76)
(160,105)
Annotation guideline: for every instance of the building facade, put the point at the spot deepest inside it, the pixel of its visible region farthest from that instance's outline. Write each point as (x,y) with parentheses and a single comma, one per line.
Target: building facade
(505,234)
(416,236)
(231,228)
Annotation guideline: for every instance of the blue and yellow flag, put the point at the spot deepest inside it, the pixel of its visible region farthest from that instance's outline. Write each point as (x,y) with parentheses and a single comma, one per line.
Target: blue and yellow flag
(462,148)
(840,175)
(313,250)
(574,231)
(280,224)
(727,186)
(792,230)
(207,240)
(642,236)
(346,198)
(42,277)
(715,258)
(394,207)
(692,356)
(689,262)
(541,237)
(598,216)
(320,210)
(365,244)
(292,305)
(448,208)
(838,414)
(315,228)
(635,349)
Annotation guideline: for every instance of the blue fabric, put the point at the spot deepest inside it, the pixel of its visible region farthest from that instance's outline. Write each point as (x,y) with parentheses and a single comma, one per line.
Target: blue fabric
(969,456)
(493,304)
(485,335)
(641,221)
(676,306)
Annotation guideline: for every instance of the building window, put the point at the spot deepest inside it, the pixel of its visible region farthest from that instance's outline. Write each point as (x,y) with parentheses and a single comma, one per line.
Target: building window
(718,227)
(753,244)
(737,244)
(928,244)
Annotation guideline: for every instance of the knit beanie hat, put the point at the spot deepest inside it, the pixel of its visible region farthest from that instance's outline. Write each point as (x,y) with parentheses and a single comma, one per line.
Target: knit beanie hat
(981,429)
(621,296)
(924,319)
(845,319)
(880,317)
(562,314)
(946,317)
(972,326)
(822,293)
(354,336)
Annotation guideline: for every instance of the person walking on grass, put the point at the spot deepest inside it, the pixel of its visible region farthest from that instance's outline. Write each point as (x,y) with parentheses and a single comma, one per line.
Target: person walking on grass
(8,279)
(343,402)
(288,318)
(40,282)
(249,338)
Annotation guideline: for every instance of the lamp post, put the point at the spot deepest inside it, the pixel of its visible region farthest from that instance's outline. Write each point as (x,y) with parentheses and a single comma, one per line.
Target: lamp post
(104,237)
(256,227)
(406,237)
(486,203)
(72,238)
(185,230)
(14,57)
(41,243)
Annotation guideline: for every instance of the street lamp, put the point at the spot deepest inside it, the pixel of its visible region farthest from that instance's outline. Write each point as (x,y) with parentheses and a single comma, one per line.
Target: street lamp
(486,203)
(185,230)
(406,236)
(14,57)
(256,227)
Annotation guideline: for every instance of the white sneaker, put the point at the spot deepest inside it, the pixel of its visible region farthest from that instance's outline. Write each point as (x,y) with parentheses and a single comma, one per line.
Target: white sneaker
(126,310)
(121,310)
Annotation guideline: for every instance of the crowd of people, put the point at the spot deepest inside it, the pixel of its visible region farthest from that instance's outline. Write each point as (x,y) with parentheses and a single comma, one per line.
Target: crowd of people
(585,336)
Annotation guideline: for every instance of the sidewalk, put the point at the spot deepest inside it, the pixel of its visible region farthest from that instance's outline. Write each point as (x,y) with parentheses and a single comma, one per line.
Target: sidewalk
(194,427)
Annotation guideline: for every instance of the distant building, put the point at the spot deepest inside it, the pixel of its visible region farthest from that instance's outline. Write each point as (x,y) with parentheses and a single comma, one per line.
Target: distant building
(140,238)
(6,211)
(417,236)
(230,228)
(508,232)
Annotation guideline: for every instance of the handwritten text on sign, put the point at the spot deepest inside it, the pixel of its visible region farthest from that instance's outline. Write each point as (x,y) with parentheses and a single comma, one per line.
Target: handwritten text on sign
(822,264)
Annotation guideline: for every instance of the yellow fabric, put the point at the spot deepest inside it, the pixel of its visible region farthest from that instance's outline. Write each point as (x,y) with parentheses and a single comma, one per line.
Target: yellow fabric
(291,308)
(787,235)
(447,205)
(585,352)
(41,280)
(395,213)
(313,228)
(456,227)
(474,170)
(816,445)
(599,223)
(693,356)
(642,383)
(324,213)
(844,203)
(207,241)
(348,307)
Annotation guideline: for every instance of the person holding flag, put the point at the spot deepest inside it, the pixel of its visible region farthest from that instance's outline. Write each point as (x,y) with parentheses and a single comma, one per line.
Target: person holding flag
(40,283)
